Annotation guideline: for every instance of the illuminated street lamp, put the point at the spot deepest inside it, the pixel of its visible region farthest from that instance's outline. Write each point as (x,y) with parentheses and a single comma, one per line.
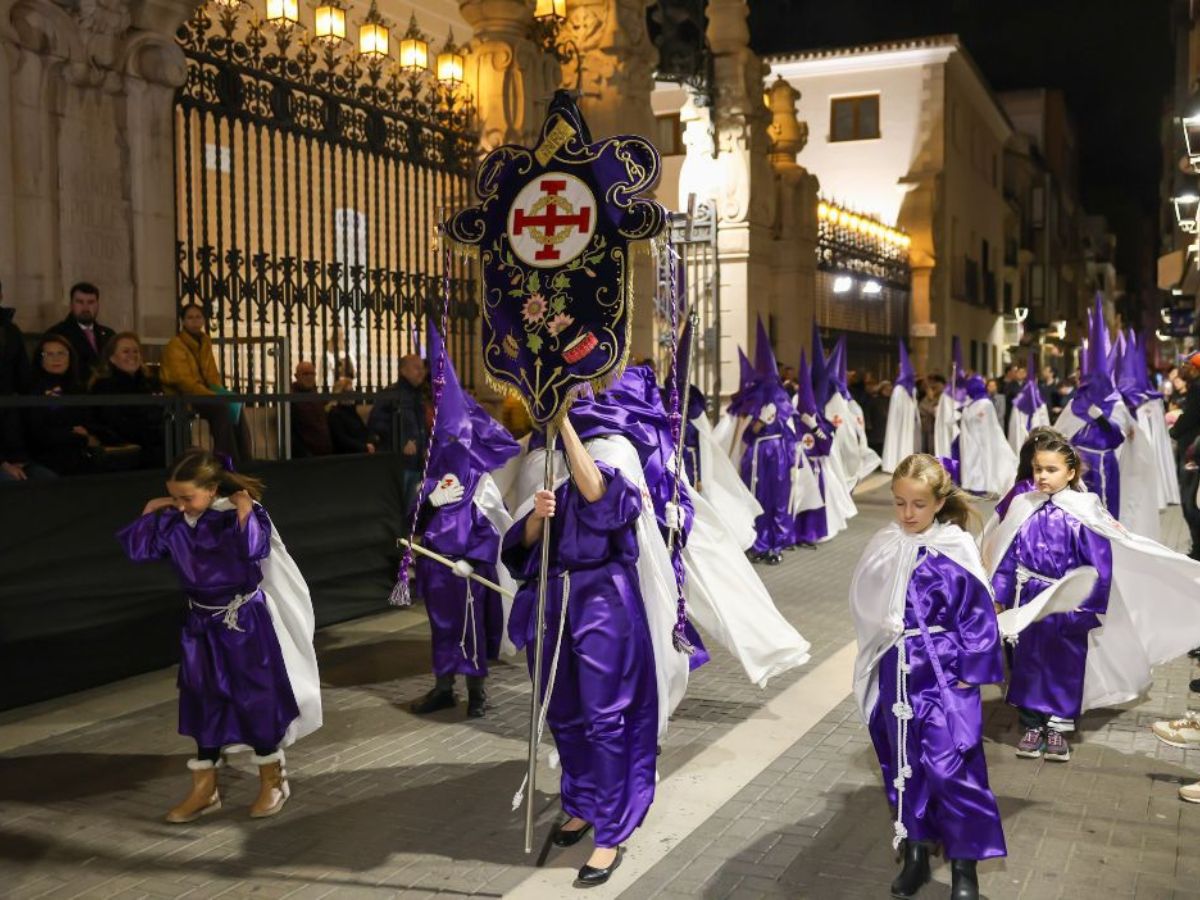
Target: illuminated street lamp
(283,13)
(450,64)
(414,49)
(373,35)
(1190,122)
(1186,207)
(550,10)
(329,23)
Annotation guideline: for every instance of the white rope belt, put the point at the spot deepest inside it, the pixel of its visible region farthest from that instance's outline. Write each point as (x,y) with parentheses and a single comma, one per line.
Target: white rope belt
(229,613)
(469,623)
(903,712)
(1025,574)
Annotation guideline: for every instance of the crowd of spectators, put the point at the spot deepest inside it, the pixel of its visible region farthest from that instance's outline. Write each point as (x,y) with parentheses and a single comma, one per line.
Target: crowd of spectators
(80,356)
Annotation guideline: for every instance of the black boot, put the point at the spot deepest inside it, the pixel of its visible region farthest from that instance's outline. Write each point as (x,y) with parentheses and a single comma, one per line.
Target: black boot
(476,697)
(964,882)
(915,873)
(441,697)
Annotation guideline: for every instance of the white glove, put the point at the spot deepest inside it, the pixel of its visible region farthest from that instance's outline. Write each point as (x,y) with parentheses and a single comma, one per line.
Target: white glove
(767,414)
(1095,412)
(809,420)
(448,490)
(673,513)
(463,569)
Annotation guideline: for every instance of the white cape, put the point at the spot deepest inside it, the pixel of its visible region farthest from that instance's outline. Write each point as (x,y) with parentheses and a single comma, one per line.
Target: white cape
(491,503)
(868,459)
(1137,464)
(1019,428)
(903,437)
(290,605)
(879,587)
(722,486)
(845,439)
(728,436)
(839,504)
(1153,606)
(945,424)
(728,600)
(1153,417)
(989,465)
(656,575)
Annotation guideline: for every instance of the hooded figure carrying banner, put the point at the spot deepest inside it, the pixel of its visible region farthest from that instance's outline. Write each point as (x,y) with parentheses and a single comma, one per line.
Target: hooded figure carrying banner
(861,460)
(462,519)
(903,436)
(554,230)
(770,449)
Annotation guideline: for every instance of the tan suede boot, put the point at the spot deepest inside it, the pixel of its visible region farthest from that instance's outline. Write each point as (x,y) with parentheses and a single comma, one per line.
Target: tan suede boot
(273,790)
(203,799)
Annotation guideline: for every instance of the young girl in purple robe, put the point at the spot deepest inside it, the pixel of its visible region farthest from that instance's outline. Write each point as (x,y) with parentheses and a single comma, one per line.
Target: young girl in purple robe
(927,639)
(1050,657)
(603,700)
(248,673)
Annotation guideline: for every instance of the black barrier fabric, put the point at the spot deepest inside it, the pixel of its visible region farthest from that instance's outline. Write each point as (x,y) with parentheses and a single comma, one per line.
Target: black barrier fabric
(75,613)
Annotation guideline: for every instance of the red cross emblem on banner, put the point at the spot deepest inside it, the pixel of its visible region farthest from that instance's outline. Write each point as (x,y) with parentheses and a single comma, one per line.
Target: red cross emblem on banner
(552,219)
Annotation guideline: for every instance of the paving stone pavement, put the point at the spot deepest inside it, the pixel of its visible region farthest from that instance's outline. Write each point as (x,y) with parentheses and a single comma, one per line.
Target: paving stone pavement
(389,805)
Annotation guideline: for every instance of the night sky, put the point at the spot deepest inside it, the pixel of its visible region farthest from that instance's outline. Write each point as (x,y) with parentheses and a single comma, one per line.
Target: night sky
(1112,58)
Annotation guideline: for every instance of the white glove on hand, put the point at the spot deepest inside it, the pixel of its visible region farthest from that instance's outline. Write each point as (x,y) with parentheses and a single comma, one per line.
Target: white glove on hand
(463,569)
(767,414)
(1095,412)
(448,490)
(809,420)
(673,513)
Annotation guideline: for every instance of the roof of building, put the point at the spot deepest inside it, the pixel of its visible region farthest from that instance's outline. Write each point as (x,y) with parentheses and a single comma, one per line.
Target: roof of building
(918,43)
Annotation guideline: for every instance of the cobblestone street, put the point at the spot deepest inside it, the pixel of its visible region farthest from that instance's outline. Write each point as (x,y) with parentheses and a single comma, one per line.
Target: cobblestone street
(764,793)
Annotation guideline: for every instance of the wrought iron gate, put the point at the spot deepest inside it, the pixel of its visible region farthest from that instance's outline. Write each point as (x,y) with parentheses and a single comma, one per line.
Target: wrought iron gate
(309,181)
(695,240)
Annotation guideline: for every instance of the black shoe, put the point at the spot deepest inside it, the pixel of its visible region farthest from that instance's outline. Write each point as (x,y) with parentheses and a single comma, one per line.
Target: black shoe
(964,882)
(915,873)
(1194,685)
(774,559)
(570,838)
(1194,653)
(589,876)
(476,703)
(437,699)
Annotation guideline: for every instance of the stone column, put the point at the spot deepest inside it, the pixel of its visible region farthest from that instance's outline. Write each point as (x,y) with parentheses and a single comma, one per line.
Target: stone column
(745,190)
(511,77)
(793,298)
(87,183)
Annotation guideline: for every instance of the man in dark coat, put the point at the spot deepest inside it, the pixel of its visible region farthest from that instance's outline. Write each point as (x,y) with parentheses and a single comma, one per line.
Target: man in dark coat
(310,427)
(14,379)
(87,336)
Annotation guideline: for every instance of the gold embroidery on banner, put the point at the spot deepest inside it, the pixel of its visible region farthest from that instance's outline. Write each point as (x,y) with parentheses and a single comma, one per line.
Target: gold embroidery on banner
(555,138)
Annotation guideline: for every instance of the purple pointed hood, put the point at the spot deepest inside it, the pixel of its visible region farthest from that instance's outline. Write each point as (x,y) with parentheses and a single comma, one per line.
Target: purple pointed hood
(465,435)
(958,374)
(1030,396)
(740,402)
(769,388)
(806,402)
(1133,376)
(822,386)
(765,365)
(837,368)
(907,377)
(1096,387)
(975,388)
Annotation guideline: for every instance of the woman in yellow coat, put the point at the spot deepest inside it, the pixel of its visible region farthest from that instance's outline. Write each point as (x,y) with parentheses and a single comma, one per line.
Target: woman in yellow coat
(189,366)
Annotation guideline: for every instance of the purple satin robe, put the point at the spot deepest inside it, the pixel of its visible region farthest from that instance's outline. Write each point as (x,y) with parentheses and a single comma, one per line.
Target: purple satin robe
(233,686)
(947,798)
(1024,486)
(603,710)
(466,619)
(1097,443)
(767,470)
(1050,657)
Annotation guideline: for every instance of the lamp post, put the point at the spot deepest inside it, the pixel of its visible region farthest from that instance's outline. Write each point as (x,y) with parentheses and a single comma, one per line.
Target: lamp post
(549,16)
(1186,207)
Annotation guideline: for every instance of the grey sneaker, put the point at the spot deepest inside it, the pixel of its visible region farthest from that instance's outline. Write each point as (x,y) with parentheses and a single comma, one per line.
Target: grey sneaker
(1057,748)
(1033,744)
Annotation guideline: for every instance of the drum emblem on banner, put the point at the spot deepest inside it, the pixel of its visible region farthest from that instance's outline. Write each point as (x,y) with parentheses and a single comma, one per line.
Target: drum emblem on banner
(552,220)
